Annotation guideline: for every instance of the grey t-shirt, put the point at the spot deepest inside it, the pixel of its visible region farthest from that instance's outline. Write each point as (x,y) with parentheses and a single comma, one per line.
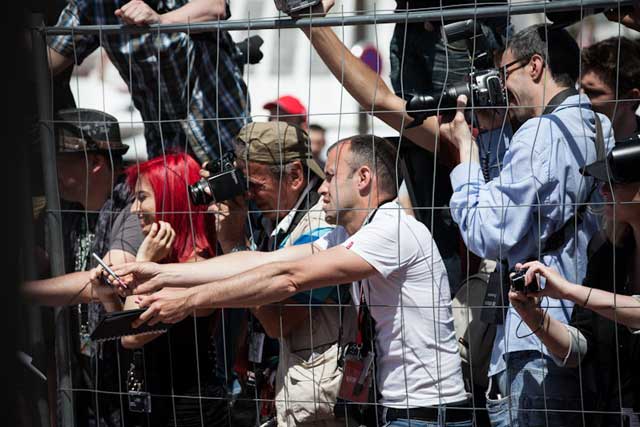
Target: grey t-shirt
(126,232)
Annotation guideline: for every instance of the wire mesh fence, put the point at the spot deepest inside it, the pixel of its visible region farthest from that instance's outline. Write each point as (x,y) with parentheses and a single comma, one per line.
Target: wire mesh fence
(476,266)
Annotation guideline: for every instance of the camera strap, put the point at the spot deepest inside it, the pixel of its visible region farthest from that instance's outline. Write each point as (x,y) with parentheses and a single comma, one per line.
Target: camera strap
(556,240)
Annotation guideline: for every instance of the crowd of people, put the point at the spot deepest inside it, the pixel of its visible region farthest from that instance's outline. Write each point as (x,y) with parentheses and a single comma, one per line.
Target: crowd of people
(314,296)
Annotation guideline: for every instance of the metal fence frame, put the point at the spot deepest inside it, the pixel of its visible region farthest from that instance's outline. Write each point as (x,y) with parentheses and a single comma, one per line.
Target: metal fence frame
(39,32)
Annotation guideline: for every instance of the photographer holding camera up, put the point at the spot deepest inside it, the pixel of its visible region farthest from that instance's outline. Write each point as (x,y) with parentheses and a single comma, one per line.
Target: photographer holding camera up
(534,208)
(283,181)
(609,294)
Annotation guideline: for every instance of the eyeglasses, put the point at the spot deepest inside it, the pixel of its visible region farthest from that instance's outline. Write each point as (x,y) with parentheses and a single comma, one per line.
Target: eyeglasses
(505,71)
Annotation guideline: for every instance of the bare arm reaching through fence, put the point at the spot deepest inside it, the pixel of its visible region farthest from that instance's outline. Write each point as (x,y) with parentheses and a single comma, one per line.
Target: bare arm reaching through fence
(73,288)
(263,285)
(146,277)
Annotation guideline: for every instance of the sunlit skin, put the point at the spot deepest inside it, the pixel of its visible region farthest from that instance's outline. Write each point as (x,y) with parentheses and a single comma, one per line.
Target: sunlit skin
(144,204)
(339,189)
(519,87)
(603,98)
(273,195)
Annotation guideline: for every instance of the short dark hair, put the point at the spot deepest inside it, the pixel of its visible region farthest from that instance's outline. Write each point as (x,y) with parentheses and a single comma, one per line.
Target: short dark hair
(602,58)
(377,153)
(317,128)
(559,50)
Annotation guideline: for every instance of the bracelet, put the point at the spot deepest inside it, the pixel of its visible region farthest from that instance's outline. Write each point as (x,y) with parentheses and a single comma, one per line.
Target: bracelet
(587,299)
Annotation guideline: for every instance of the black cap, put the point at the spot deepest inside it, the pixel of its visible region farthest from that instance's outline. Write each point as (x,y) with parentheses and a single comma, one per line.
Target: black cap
(82,129)
(622,165)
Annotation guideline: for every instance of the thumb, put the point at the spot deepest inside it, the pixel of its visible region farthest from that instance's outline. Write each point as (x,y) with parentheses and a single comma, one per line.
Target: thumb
(461,104)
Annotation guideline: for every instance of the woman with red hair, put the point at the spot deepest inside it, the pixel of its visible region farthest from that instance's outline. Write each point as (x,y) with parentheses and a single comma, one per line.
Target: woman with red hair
(180,362)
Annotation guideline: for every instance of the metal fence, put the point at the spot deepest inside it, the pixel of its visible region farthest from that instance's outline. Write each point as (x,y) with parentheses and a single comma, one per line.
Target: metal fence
(39,34)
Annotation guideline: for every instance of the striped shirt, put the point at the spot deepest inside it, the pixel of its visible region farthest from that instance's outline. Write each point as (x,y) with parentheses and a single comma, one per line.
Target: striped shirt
(188,88)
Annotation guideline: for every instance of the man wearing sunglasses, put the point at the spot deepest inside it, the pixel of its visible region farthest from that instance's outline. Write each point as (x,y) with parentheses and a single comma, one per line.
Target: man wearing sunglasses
(531,204)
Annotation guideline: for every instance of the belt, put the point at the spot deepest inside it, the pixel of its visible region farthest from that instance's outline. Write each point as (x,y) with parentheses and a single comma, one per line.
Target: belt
(456,412)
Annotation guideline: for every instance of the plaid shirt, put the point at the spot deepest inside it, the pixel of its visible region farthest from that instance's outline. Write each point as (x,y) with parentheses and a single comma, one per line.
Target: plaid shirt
(187,88)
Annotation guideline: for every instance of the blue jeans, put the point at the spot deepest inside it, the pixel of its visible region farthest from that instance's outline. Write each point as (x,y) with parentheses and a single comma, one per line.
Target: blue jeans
(442,421)
(534,392)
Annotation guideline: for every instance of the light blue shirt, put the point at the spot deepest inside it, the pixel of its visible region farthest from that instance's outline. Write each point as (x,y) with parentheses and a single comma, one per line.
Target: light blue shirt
(537,190)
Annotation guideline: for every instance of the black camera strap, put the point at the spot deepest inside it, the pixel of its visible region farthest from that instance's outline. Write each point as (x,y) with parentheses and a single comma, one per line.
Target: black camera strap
(496,299)
(555,241)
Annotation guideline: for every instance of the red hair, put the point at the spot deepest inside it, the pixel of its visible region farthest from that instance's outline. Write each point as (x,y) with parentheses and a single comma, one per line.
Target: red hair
(169,177)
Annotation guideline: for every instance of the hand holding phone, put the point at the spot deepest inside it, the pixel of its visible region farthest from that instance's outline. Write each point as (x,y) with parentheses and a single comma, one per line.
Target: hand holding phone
(109,270)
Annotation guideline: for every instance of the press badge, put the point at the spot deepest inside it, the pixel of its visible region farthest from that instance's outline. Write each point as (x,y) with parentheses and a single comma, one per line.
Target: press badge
(356,377)
(256,344)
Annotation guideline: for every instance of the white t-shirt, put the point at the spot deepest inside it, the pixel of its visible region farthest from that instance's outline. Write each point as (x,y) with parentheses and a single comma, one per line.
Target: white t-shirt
(416,350)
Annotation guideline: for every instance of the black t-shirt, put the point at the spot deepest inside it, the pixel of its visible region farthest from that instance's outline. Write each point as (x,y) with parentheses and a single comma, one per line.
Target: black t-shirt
(613,351)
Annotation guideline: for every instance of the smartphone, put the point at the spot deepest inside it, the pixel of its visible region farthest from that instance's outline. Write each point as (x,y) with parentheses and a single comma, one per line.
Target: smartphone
(108,269)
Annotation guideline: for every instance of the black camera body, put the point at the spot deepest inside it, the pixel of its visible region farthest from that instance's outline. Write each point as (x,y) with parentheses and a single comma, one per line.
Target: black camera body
(224,183)
(291,6)
(518,281)
(483,86)
(483,89)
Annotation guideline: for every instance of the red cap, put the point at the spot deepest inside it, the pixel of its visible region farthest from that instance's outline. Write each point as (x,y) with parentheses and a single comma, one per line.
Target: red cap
(288,105)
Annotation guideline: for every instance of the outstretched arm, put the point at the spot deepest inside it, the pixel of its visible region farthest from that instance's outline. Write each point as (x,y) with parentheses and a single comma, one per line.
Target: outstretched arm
(73,288)
(619,308)
(263,285)
(149,277)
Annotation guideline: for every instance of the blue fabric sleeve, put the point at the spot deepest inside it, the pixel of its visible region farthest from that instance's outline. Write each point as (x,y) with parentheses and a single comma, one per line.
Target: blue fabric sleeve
(315,296)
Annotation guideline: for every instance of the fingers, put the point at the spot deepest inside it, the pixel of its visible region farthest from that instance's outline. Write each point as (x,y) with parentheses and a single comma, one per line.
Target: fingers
(162,231)
(171,237)
(154,230)
(147,316)
(148,287)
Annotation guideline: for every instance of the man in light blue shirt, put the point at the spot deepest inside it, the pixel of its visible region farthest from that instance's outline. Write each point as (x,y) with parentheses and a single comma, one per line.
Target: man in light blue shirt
(519,206)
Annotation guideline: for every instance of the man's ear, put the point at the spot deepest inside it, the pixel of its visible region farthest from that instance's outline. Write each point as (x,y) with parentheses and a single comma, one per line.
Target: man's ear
(296,176)
(365,178)
(536,67)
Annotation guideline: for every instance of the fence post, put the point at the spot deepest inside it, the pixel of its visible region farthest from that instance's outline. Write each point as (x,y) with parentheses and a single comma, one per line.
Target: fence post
(53,217)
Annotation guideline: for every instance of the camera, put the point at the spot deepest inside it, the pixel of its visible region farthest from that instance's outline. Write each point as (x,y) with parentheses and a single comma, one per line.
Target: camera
(483,86)
(518,281)
(484,89)
(224,183)
(291,6)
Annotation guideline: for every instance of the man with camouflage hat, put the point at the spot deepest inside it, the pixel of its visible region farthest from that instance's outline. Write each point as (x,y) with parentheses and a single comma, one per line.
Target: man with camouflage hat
(283,180)
(95,218)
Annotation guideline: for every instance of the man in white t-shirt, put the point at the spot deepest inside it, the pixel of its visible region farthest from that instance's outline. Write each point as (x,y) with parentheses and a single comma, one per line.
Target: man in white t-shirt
(388,255)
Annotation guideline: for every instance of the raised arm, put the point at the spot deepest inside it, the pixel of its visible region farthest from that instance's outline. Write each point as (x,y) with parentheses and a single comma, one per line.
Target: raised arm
(263,285)
(137,12)
(366,86)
